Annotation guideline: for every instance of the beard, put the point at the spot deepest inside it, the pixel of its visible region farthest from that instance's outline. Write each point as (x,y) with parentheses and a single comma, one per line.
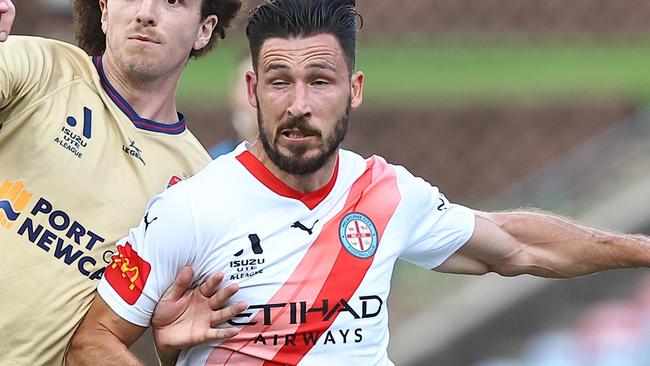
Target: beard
(295,163)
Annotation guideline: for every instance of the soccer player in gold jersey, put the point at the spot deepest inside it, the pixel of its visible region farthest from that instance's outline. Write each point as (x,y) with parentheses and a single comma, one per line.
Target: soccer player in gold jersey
(86,138)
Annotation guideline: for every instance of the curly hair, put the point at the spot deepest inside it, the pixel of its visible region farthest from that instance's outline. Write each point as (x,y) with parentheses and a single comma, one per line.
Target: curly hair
(91,38)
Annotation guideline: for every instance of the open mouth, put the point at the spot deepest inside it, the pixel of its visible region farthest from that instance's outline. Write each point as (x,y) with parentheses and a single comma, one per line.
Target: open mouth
(295,133)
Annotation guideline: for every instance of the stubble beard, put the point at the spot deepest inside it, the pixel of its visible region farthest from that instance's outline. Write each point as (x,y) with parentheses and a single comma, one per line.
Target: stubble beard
(295,163)
(135,67)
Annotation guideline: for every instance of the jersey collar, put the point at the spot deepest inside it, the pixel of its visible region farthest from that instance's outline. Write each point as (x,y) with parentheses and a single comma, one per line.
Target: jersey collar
(259,171)
(125,107)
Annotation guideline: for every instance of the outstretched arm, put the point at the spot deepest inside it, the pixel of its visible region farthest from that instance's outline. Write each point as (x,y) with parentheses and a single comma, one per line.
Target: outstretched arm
(514,243)
(182,318)
(7,15)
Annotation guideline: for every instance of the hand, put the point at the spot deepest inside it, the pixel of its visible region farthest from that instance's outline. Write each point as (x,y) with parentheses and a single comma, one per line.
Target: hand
(7,15)
(185,317)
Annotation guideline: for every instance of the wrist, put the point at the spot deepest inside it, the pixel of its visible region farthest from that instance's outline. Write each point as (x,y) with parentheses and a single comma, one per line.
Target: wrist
(167,357)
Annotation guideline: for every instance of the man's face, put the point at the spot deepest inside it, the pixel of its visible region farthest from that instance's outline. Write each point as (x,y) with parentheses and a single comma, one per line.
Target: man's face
(303,93)
(152,38)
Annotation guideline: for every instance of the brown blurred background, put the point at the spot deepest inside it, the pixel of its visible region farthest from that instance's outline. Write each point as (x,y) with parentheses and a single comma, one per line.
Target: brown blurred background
(569,154)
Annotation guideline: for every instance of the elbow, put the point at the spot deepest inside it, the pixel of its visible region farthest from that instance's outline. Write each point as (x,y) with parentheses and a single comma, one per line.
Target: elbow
(508,270)
(529,262)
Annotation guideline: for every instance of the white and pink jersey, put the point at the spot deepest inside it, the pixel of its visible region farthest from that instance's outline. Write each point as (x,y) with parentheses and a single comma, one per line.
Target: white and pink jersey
(314,268)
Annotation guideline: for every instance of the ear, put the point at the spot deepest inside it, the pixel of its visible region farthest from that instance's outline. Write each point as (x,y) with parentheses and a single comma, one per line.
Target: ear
(356,89)
(204,33)
(251,86)
(104,19)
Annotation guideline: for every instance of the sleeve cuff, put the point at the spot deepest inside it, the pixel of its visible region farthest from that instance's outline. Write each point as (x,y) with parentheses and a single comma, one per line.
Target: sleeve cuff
(129,313)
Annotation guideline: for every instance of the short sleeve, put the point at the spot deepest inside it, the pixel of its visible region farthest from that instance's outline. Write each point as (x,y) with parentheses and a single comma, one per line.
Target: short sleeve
(22,62)
(438,228)
(147,261)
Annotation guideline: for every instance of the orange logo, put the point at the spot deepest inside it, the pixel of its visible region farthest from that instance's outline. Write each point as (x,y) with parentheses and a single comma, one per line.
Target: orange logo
(127,273)
(13,199)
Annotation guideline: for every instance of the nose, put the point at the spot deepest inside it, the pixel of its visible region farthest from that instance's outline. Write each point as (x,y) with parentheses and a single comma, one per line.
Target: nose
(300,105)
(146,15)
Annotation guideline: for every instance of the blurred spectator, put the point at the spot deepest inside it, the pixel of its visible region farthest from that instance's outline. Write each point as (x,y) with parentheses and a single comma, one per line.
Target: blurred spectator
(60,6)
(609,333)
(244,117)
(553,348)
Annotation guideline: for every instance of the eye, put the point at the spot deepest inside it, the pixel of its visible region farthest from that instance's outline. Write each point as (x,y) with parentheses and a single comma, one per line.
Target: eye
(320,82)
(279,83)
(173,2)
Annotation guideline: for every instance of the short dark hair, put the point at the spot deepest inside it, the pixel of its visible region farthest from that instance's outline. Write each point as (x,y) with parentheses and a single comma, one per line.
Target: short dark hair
(91,38)
(304,18)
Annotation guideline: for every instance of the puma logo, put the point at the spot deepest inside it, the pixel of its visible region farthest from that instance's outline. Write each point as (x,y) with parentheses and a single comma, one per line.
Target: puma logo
(299,225)
(147,222)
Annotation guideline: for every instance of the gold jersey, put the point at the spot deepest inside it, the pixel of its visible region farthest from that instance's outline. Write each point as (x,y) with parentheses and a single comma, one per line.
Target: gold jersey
(77,167)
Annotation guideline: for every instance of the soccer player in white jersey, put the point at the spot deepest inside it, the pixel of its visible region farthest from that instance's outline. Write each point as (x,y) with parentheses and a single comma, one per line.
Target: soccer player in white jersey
(84,144)
(310,232)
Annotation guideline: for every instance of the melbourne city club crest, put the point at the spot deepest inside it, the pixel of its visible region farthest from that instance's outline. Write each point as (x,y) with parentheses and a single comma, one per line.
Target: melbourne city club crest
(358,235)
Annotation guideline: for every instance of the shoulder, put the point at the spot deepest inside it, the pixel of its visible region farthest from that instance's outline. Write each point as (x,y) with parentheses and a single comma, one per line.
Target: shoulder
(37,48)
(221,171)
(173,201)
(353,164)
(44,63)
(221,181)
(415,191)
(403,177)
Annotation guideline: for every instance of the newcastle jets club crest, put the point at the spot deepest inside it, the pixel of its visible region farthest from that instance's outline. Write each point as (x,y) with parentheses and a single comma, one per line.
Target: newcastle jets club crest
(358,235)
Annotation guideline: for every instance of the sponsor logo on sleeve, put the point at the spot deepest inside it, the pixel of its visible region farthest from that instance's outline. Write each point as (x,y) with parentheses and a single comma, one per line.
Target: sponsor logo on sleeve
(127,273)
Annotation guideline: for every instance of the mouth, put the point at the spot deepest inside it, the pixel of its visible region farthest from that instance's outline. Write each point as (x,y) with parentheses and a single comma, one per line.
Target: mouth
(143,38)
(296,134)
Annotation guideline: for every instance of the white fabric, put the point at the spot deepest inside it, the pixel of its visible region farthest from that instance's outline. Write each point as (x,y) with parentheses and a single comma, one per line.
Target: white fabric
(207,221)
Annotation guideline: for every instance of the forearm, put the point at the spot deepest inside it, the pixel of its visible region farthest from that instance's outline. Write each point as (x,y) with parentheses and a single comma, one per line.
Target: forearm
(99,348)
(167,358)
(554,246)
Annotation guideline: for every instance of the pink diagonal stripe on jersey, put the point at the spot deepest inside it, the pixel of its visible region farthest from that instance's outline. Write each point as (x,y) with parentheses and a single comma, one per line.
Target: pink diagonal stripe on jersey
(379,201)
(303,284)
(375,194)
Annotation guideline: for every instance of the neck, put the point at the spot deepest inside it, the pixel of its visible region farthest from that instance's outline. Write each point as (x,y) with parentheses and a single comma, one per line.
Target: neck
(302,183)
(153,99)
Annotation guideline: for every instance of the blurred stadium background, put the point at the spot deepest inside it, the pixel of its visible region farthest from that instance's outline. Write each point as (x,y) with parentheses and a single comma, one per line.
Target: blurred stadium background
(502,104)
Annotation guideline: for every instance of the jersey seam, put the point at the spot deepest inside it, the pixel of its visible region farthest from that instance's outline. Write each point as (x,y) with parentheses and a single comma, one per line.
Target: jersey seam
(193,221)
(41,99)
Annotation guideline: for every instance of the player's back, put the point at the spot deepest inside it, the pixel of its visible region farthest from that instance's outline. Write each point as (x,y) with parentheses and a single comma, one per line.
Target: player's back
(77,166)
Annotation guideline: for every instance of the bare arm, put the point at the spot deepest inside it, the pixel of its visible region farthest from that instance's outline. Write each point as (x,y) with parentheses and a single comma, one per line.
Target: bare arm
(103,338)
(181,319)
(514,243)
(7,15)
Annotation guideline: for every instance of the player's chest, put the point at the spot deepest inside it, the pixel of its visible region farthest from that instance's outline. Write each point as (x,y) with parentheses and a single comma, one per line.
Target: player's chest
(84,177)
(299,257)
(309,272)
(65,133)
